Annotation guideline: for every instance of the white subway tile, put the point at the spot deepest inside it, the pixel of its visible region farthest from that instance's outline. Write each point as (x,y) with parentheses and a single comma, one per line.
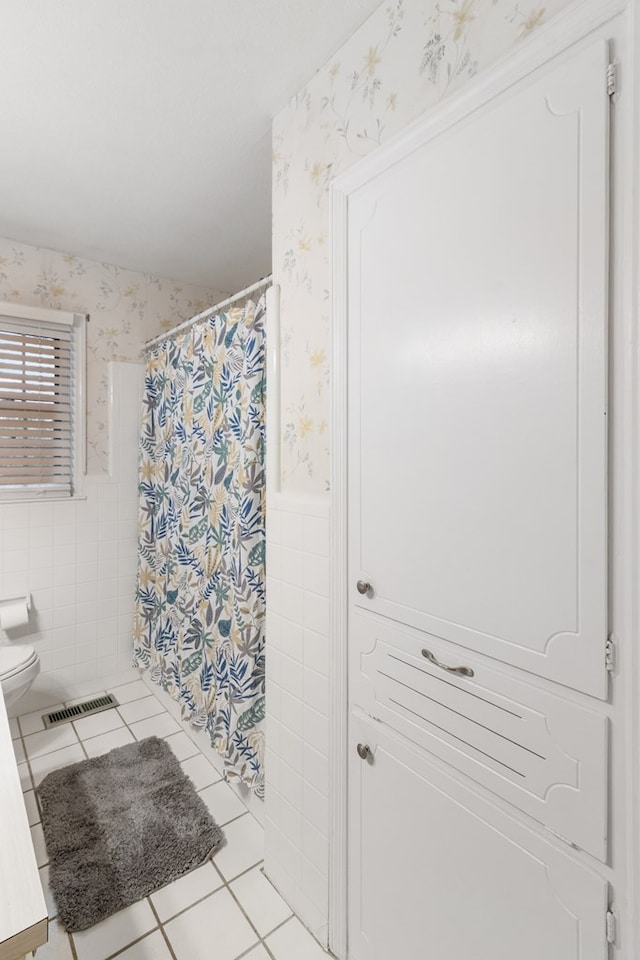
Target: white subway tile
(317,535)
(40,537)
(292,566)
(108,550)
(87,591)
(274,523)
(86,572)
(316,652)
(41,515)
(315,769)
(316,731)
(64,596)
(290,786)
(316,691)
(291,749)
(16,518)
(316,574)
(42,599)
(86,612)
(87,548)
(274,595)
(64,616)
(315,886)
(291,712)
(291,530)
(291,676)
(17,561)
(14,538)
(316,613)
(315,847)
(292,599)
(63,575)
(291,640)
(63,657)
(273,561)
(107,589)
(64,513)
(65,554)
(64,534)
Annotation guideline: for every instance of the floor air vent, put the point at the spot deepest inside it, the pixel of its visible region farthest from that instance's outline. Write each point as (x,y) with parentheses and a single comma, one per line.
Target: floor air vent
(97,705)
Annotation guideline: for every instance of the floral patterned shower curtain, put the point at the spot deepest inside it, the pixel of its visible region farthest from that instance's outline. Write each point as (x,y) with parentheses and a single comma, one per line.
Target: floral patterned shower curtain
(200,605)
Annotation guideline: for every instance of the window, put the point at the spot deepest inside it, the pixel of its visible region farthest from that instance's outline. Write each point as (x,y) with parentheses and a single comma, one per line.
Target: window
(42,427)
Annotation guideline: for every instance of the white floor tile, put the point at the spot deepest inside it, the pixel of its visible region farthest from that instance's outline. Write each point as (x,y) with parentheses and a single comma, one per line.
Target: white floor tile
(293,942)
(130,691)
(222,802)
(97,724)
(161,726)
(58,947)
(46,889)
(14,728)
(200,772)
(96,746)
(140,709)
(260,901)
(182,745)
(115,932)
(25,777)
(39,846)
(152,947)
(32,722)
(258,953)
(185,891)
(41,766)
(244,847)
(215,927)
(31,804)
(18,750)
(37,744)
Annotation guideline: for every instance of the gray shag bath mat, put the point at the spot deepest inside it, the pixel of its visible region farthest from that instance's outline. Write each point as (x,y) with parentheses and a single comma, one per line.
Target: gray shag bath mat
(120,826)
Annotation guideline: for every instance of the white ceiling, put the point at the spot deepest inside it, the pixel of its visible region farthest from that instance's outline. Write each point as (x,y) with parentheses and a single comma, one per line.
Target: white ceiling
(138,131)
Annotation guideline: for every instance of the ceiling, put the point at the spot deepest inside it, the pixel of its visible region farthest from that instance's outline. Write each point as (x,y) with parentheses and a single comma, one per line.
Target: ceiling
(138,131)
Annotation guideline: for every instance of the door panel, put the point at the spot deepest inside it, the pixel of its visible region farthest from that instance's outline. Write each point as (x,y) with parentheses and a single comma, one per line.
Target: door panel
(439,873)
(539,752)
(477,301)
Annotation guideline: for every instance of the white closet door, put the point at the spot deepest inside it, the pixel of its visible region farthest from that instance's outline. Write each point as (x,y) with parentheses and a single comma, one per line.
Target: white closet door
(477,300)
(438,874)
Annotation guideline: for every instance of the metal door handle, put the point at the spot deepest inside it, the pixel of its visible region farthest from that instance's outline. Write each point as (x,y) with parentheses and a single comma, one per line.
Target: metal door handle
(363,587)
(364,751)
(459,671)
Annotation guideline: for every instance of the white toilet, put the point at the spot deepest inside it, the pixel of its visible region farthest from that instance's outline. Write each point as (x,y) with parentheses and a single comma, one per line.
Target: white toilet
(19,666)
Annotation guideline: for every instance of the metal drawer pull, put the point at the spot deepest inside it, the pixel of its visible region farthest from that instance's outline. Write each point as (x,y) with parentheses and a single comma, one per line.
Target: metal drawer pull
(460,671)
(364,751)
(363,587)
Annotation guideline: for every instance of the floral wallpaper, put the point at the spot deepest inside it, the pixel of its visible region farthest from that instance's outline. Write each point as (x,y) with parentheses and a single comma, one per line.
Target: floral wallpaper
(126,308)
(406,57)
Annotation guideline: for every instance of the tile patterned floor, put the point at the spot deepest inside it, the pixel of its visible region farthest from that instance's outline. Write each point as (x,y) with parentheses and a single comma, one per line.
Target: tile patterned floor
(225,910)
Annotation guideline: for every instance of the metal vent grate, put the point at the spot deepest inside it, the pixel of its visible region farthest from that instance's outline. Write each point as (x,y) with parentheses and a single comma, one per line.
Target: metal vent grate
(97,705)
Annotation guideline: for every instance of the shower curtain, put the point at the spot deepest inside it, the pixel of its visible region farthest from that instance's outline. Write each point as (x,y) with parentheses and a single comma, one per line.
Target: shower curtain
(200,602)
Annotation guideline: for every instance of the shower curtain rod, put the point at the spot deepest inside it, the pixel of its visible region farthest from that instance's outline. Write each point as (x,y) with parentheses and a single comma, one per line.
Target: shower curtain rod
(209,312)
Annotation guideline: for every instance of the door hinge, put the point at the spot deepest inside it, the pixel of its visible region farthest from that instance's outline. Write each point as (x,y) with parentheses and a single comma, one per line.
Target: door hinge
(612,79)
(610,654)
(612,927)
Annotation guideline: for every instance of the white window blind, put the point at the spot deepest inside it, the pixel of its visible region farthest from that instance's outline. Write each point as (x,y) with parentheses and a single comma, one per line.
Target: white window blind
(38,366)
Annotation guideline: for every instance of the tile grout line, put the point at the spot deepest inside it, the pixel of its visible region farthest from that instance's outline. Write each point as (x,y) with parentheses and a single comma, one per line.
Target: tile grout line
(163,932)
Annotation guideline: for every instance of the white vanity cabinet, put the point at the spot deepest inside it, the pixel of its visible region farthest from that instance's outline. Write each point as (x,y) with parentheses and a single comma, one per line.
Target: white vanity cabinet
(23,912)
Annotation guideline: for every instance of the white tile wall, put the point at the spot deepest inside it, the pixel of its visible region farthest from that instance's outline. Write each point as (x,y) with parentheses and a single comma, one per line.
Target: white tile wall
(77,559)
(297,735)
